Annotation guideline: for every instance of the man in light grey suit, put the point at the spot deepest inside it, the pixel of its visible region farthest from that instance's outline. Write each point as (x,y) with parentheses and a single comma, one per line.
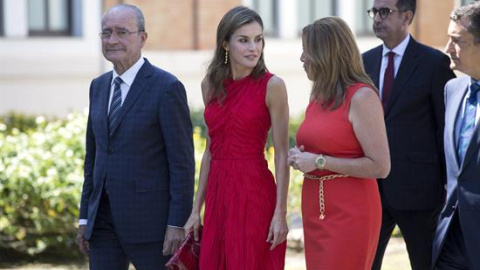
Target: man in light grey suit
(457,240)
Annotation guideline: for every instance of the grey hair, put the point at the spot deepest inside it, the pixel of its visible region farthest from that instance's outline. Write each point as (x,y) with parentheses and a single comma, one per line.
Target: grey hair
(472,13)
(136,10)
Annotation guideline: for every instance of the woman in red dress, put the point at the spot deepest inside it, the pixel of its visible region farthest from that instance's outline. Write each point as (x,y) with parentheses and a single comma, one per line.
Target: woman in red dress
(341,149)
(245,210)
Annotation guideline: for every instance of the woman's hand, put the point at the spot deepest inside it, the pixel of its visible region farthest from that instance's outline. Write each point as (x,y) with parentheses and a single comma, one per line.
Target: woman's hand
(193,224)
(278,231)
(291,153)
(300,160)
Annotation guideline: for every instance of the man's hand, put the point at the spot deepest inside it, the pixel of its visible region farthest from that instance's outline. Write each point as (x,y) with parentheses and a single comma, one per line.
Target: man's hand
(81,242)
(173,239)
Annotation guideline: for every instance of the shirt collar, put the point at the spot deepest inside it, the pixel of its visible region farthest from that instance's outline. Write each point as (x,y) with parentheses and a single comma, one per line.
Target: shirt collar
(472,81)
(400,49)
(129,75)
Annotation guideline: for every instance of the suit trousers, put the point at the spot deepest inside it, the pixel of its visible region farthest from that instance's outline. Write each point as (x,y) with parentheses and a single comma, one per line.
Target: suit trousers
(108,251)
(418,229)
(454,254)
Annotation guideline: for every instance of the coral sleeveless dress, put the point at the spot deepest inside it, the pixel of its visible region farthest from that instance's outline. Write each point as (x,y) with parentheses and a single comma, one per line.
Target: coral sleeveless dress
(347,237)
(241,191)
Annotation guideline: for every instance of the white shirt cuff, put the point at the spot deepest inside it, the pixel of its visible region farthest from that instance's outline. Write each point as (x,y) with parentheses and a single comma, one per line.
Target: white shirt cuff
(171,226)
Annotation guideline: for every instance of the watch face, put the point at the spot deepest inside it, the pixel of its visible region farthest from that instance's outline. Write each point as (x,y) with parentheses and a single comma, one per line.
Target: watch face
(320,162)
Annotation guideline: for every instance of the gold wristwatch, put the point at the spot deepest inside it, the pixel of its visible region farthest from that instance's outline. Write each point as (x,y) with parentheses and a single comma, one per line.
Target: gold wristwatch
(320,162)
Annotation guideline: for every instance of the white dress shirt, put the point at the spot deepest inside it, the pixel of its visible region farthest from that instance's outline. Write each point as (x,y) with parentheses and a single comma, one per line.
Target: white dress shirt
(399,52)
(127,78)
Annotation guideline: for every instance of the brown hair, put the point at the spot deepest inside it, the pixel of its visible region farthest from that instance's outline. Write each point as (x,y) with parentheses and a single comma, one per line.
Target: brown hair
(333,60)
(218,71)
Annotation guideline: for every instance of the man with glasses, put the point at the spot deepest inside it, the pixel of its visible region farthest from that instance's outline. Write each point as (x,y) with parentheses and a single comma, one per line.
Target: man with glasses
(410,77)
(139,164)
(457,241)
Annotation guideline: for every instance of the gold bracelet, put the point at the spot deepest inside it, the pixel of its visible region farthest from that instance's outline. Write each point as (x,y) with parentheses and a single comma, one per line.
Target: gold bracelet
(321,195)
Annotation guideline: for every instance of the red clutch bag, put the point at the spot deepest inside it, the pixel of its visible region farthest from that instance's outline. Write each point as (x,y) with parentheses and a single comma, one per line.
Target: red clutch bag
(186,257)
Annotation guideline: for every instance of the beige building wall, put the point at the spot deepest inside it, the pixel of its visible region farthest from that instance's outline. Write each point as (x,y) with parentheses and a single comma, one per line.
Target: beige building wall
(180,24)
(431,22)
(191,24)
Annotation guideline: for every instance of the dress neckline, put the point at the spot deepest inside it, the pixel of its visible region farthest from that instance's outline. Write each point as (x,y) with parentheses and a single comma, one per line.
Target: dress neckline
(233,81)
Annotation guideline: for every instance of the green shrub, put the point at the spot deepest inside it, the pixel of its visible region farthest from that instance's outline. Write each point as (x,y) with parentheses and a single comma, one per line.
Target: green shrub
(41,177)
(20,122)
(41,173)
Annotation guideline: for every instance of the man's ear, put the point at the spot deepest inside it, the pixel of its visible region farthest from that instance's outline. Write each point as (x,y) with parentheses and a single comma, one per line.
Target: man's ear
(408,17)
(143,36)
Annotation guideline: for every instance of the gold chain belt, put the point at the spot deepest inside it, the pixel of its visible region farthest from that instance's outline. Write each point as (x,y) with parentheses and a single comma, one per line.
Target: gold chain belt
(321,195)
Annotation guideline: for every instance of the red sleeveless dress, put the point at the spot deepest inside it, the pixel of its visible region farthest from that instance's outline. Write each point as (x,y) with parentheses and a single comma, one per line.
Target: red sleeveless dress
(347,237)
(241,191)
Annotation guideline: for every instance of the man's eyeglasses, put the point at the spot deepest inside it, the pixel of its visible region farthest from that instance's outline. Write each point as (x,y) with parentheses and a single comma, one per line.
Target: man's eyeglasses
(384,12)
(119,33)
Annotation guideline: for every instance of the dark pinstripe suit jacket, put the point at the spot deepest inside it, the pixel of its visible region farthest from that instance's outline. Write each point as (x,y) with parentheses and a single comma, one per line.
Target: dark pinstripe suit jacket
(414,117)
(147,164)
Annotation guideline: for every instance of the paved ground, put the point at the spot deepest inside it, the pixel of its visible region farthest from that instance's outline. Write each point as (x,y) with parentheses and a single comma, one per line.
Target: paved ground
(395,259)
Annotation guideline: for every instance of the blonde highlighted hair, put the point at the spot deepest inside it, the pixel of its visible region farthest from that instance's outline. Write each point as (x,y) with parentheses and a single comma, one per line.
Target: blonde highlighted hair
(333,60)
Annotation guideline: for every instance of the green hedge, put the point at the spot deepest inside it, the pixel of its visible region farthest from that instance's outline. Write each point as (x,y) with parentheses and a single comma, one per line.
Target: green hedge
(40,182)
(41,176)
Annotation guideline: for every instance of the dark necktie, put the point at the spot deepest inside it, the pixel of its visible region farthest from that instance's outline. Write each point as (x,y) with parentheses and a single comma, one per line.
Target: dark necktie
(115,105)
(468,122)
(388,78)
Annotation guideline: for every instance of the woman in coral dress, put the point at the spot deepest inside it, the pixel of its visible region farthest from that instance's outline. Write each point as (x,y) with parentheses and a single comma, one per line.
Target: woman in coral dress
(245,210)
(342,149)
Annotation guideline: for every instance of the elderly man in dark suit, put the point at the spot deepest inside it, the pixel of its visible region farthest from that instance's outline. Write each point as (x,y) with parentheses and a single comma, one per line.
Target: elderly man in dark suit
(457,241)
(410,78)
(139,164)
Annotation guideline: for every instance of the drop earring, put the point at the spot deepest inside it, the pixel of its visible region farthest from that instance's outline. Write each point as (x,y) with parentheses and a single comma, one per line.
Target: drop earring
(226,57)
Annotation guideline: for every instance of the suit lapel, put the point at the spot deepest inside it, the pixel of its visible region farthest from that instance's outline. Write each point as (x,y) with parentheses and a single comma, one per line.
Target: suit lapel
(138,85)
(376,68)
(474,142)
(407,67)
(474,145)
(452,112)
(105,86)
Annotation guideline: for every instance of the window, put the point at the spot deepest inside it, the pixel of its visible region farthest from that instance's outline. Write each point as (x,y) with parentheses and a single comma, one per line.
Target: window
(364,23)
(268,10)
(311,10)
(49,17)
(464,2)
(1,18)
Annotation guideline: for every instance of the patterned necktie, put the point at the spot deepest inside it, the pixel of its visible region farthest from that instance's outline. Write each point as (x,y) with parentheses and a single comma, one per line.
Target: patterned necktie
(468,122)
(388,78)
(115,105)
